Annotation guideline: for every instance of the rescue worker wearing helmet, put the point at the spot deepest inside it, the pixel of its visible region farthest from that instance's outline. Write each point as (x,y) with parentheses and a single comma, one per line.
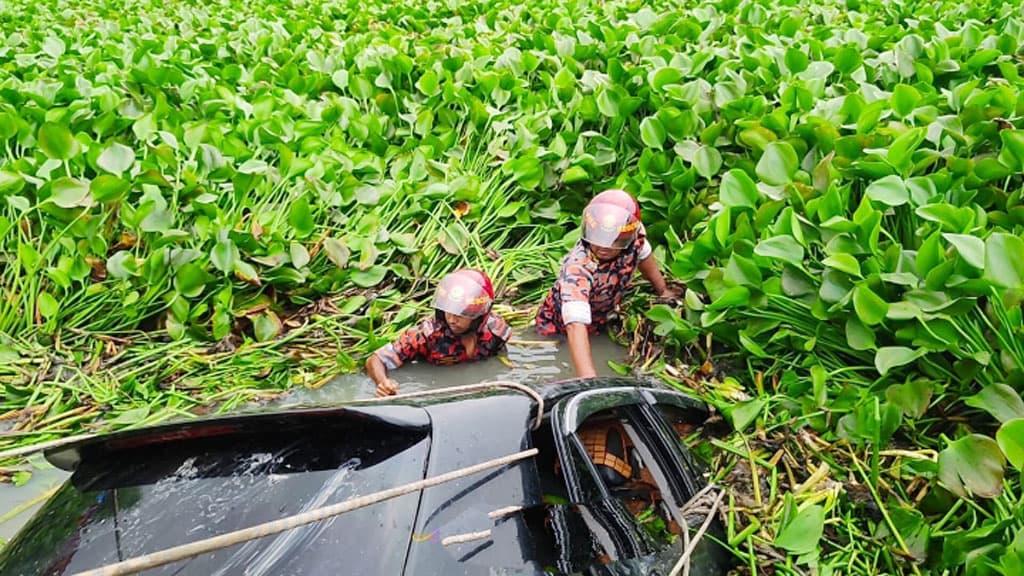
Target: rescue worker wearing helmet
(596,274)
(462,329)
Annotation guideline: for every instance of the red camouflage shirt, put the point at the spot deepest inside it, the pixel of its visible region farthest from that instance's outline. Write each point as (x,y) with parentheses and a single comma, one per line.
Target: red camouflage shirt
(433,341)
(588,290)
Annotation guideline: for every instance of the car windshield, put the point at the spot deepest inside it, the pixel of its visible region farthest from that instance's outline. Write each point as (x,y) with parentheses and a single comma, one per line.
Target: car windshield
(124,505)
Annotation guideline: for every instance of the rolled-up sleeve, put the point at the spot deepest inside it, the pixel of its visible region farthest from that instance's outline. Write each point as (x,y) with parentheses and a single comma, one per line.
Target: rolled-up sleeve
(410,345)
(575,283)
(645,250)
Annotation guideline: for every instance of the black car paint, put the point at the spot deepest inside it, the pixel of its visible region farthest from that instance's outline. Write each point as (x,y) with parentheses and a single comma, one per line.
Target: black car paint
(436,434)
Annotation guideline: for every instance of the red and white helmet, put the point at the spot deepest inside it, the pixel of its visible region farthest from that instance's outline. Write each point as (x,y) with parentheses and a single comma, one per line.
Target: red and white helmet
(611,219)
(466,292)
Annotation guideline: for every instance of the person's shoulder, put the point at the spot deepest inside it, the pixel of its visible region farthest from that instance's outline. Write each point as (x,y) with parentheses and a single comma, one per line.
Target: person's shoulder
(497,326)
(578,258)
(429,326)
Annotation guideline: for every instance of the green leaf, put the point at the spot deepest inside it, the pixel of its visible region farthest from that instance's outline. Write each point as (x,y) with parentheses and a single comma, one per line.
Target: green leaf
(859,336)
(575,174)
(369,278)
(608,103)
(121,265)
(107,189)
(70,193)
(904,99)
(130,417)
(970,248)
(1010,438)
(889,357)
(848,59)
(778,164)
(1012,154)
(190,280)
(972,466)
(652,132)
(47,305)
(301,217)
(890,190)
(116,158)
(802,534)
(870,308)
(56,141)
(844,263)
(246,272)
(783,247)
(10,183)
(796,60)
(224,255)
(1004,265)
(252,166)
(904,146)
(738,190)
(708,161)
(428,84)
(743,413)
(337,252)
(299,255)
(267,326)
(999,400)
(913,397)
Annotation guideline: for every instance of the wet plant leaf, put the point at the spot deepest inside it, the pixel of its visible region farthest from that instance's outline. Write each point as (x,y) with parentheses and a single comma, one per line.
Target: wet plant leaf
(1003,264)
(1010,438)
(889,357)
(738,190)
(999,400)
(972,466)
(889,190)
(116,158)
(70,193)
(802,534)
(369,278)
(56,141)
(870,308)
(778,164)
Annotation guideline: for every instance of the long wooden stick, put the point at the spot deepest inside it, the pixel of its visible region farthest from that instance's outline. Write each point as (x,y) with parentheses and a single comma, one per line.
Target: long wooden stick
(26,450)
(159,558)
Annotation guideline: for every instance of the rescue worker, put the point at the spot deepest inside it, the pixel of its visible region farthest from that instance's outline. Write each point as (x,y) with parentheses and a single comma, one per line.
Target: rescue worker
(596,274)
(462,329)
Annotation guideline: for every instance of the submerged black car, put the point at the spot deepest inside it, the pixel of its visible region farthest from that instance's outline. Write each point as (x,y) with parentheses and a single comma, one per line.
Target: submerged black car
(602,495)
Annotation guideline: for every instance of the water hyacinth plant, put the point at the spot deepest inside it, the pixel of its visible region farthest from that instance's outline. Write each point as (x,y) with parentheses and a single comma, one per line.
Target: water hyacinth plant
(205,204)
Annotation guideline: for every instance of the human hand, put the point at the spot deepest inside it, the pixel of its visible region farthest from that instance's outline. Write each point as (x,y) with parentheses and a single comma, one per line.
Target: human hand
(387,387)
(671,294)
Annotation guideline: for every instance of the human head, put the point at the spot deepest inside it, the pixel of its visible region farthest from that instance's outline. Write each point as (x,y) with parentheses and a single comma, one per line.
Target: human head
(611,221)
(465,293)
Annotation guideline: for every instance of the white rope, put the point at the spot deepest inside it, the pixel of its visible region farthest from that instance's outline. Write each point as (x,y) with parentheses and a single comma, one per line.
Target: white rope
(162,557)
(468,537)
(502,512)
(468,388)
(684,560)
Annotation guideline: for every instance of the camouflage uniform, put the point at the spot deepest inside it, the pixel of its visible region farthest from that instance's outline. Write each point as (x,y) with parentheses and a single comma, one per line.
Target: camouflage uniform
(435,342)
(588,290)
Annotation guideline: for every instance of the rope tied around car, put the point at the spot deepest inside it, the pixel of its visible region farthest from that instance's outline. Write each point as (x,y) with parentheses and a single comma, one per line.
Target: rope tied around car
(699,503)
(212,544)
(469,388)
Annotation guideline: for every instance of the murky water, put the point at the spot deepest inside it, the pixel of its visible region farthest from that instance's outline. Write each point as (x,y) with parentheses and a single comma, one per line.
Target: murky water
(531,359)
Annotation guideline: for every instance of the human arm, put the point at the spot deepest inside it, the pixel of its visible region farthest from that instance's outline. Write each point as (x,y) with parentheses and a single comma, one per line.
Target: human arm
(376,370)
(411,344)
(649,269)
(579,350)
